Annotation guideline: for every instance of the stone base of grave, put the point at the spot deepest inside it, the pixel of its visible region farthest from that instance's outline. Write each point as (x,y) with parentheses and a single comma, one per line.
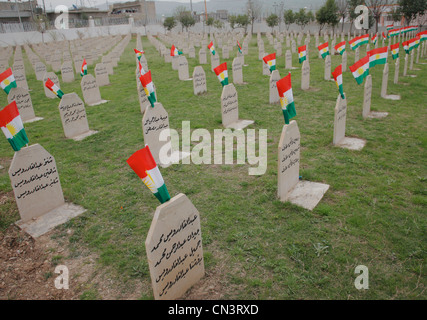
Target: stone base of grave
(392,97)
(246,65)
(80,137)
(188,79)
(240,124)
(41,225)
(293,68)
(175,157)
(307,194)
(377,115)
(33,120)
(411,75)
(352,143)
(98,103)
(1,167)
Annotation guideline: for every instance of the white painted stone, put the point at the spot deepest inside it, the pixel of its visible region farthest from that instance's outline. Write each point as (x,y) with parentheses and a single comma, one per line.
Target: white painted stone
(52,76)
(183,73)
(67,72)
(90,90)
(237,69)
(230,109)
(199,81)
(23,102)
(305,78)
(274,94)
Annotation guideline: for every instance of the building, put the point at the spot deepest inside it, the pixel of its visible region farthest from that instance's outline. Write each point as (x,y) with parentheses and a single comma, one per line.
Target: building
(78,16)
(140,9)
(17,11)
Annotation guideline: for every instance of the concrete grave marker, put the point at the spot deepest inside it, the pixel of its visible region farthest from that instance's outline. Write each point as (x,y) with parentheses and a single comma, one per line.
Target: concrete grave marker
(67,72)
(73,116)
(327,75)
(385,85)
(302,193)
(183,68)
(38,193)
(21,80)
(142,96)
(288,60)
(344,61)
(174,248)
(230,109)
(237,68)
(52,76)
(214,61)
(366,111)
(101,75)
(396,71)
(90,90)
(202,56)
(24,103)
(274,93)
(305,78)
(199,80)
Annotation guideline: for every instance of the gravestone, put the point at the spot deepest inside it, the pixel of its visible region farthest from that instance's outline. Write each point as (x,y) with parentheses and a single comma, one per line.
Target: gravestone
(385,85)
(302,193)
(405,68)
(327,75)
(411,65)
(356,55)
(339,138)
(24,103)
(192,52)
(142,97)
(265,68)
(154,121)
(396,71)
(225,52)
(183,68)
(274,93)
(90,90)
(305,78)
(40,70)
(237,68)
(73,116)
(199,80)
(101,75)
(344,61)
(366,111)
(174,248)
(175,63)
(202,56)
(52,76)
(214,61)
(21,80)
(288,60)
(230,109)
(38,193)
(67,72)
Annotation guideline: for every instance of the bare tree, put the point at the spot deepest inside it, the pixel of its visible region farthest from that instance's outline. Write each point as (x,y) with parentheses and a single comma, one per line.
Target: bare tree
(342,6)
(254,11)
(377,8)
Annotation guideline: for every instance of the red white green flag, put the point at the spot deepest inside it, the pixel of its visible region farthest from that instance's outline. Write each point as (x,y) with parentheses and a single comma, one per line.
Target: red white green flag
(340,47)
(324,49)
(239,47)
(394,32)
(141,69)
(54,88)
(222,73)
(12,126)
(7,80)
(175,52)
(385,37)
(270,60)
(138,53)
(144,165)
(84,68)
(284,87)
(422,35)
(389,27)
(377,56)
(148,86)
(374,39)
(211,47)
(302,53)
(337,74)
(405,45)
(360,69)
(395,50)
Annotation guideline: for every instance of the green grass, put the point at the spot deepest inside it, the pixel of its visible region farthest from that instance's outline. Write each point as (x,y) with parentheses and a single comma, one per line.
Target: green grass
(374,213)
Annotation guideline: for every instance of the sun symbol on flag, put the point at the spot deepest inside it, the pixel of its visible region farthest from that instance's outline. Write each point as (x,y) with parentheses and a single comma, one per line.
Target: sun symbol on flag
(360,71)
(6,82)
(148,181)
(377,56)
(222,76)
(12,129)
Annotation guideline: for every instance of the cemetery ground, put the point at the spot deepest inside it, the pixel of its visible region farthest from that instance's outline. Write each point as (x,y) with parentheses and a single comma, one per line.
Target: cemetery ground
(255,247)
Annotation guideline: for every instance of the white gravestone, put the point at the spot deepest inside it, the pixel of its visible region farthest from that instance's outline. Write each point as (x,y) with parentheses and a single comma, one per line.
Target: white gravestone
(90,90)
(230,109)
(101,75)
(274,93)
(199,80)
(327,75)
(52,76)
(24,103)
(67,72)
(237,68)
(202,56)
(396,71)
(288,60)
(40,70)
(385,85)
(305,78)
(183,73)
(366,111)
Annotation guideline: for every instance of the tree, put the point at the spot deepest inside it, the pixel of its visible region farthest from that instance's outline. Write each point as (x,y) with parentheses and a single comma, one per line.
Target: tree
(210,23)
(169,23)
(240,21)
(184,17)
(396,14)
(218,24)
(377,8)
(288,18)
(253,11)
(321,18)
(272,21)
(412,9)
(342,6)
(301,18)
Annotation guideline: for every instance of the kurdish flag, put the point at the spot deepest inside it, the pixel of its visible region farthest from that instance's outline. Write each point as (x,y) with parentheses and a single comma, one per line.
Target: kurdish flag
(324,50)
(385,37)
(222,73)
(54,88)
(141,69)
(84,68)
(360,69)
(405,45)
(394,32)
(211,48)
(422,35)
(270,60)
(138,53)
(239,47)
(364,39)
(374,39)
(284,86)
(340,47)
(337,74)
(144,165)
(395,50)
(417,41)
(302,53)
(148,85)
(389,27)
(175,52)
(377,56)
(354,43)
(7,80)
(12,126)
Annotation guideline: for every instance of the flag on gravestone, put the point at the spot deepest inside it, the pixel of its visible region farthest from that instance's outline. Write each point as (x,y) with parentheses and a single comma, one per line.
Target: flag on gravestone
(358,41)
(84,68)
(7,80)
(302,53)
(12,126)
(337,74)
(374,39)
(377,56)
(284,86)
(138,53)
(141,69)
(340,47)
(324,49)
(389,27)
(222,73)
(175,52)
(239,47)
(148,86)
(394,32)
(211,47)
(54,88)
(395,50)
(360,69)
(364,39)
(142,162)
(405,45)
(422,35)
(270,60)
(385,37)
